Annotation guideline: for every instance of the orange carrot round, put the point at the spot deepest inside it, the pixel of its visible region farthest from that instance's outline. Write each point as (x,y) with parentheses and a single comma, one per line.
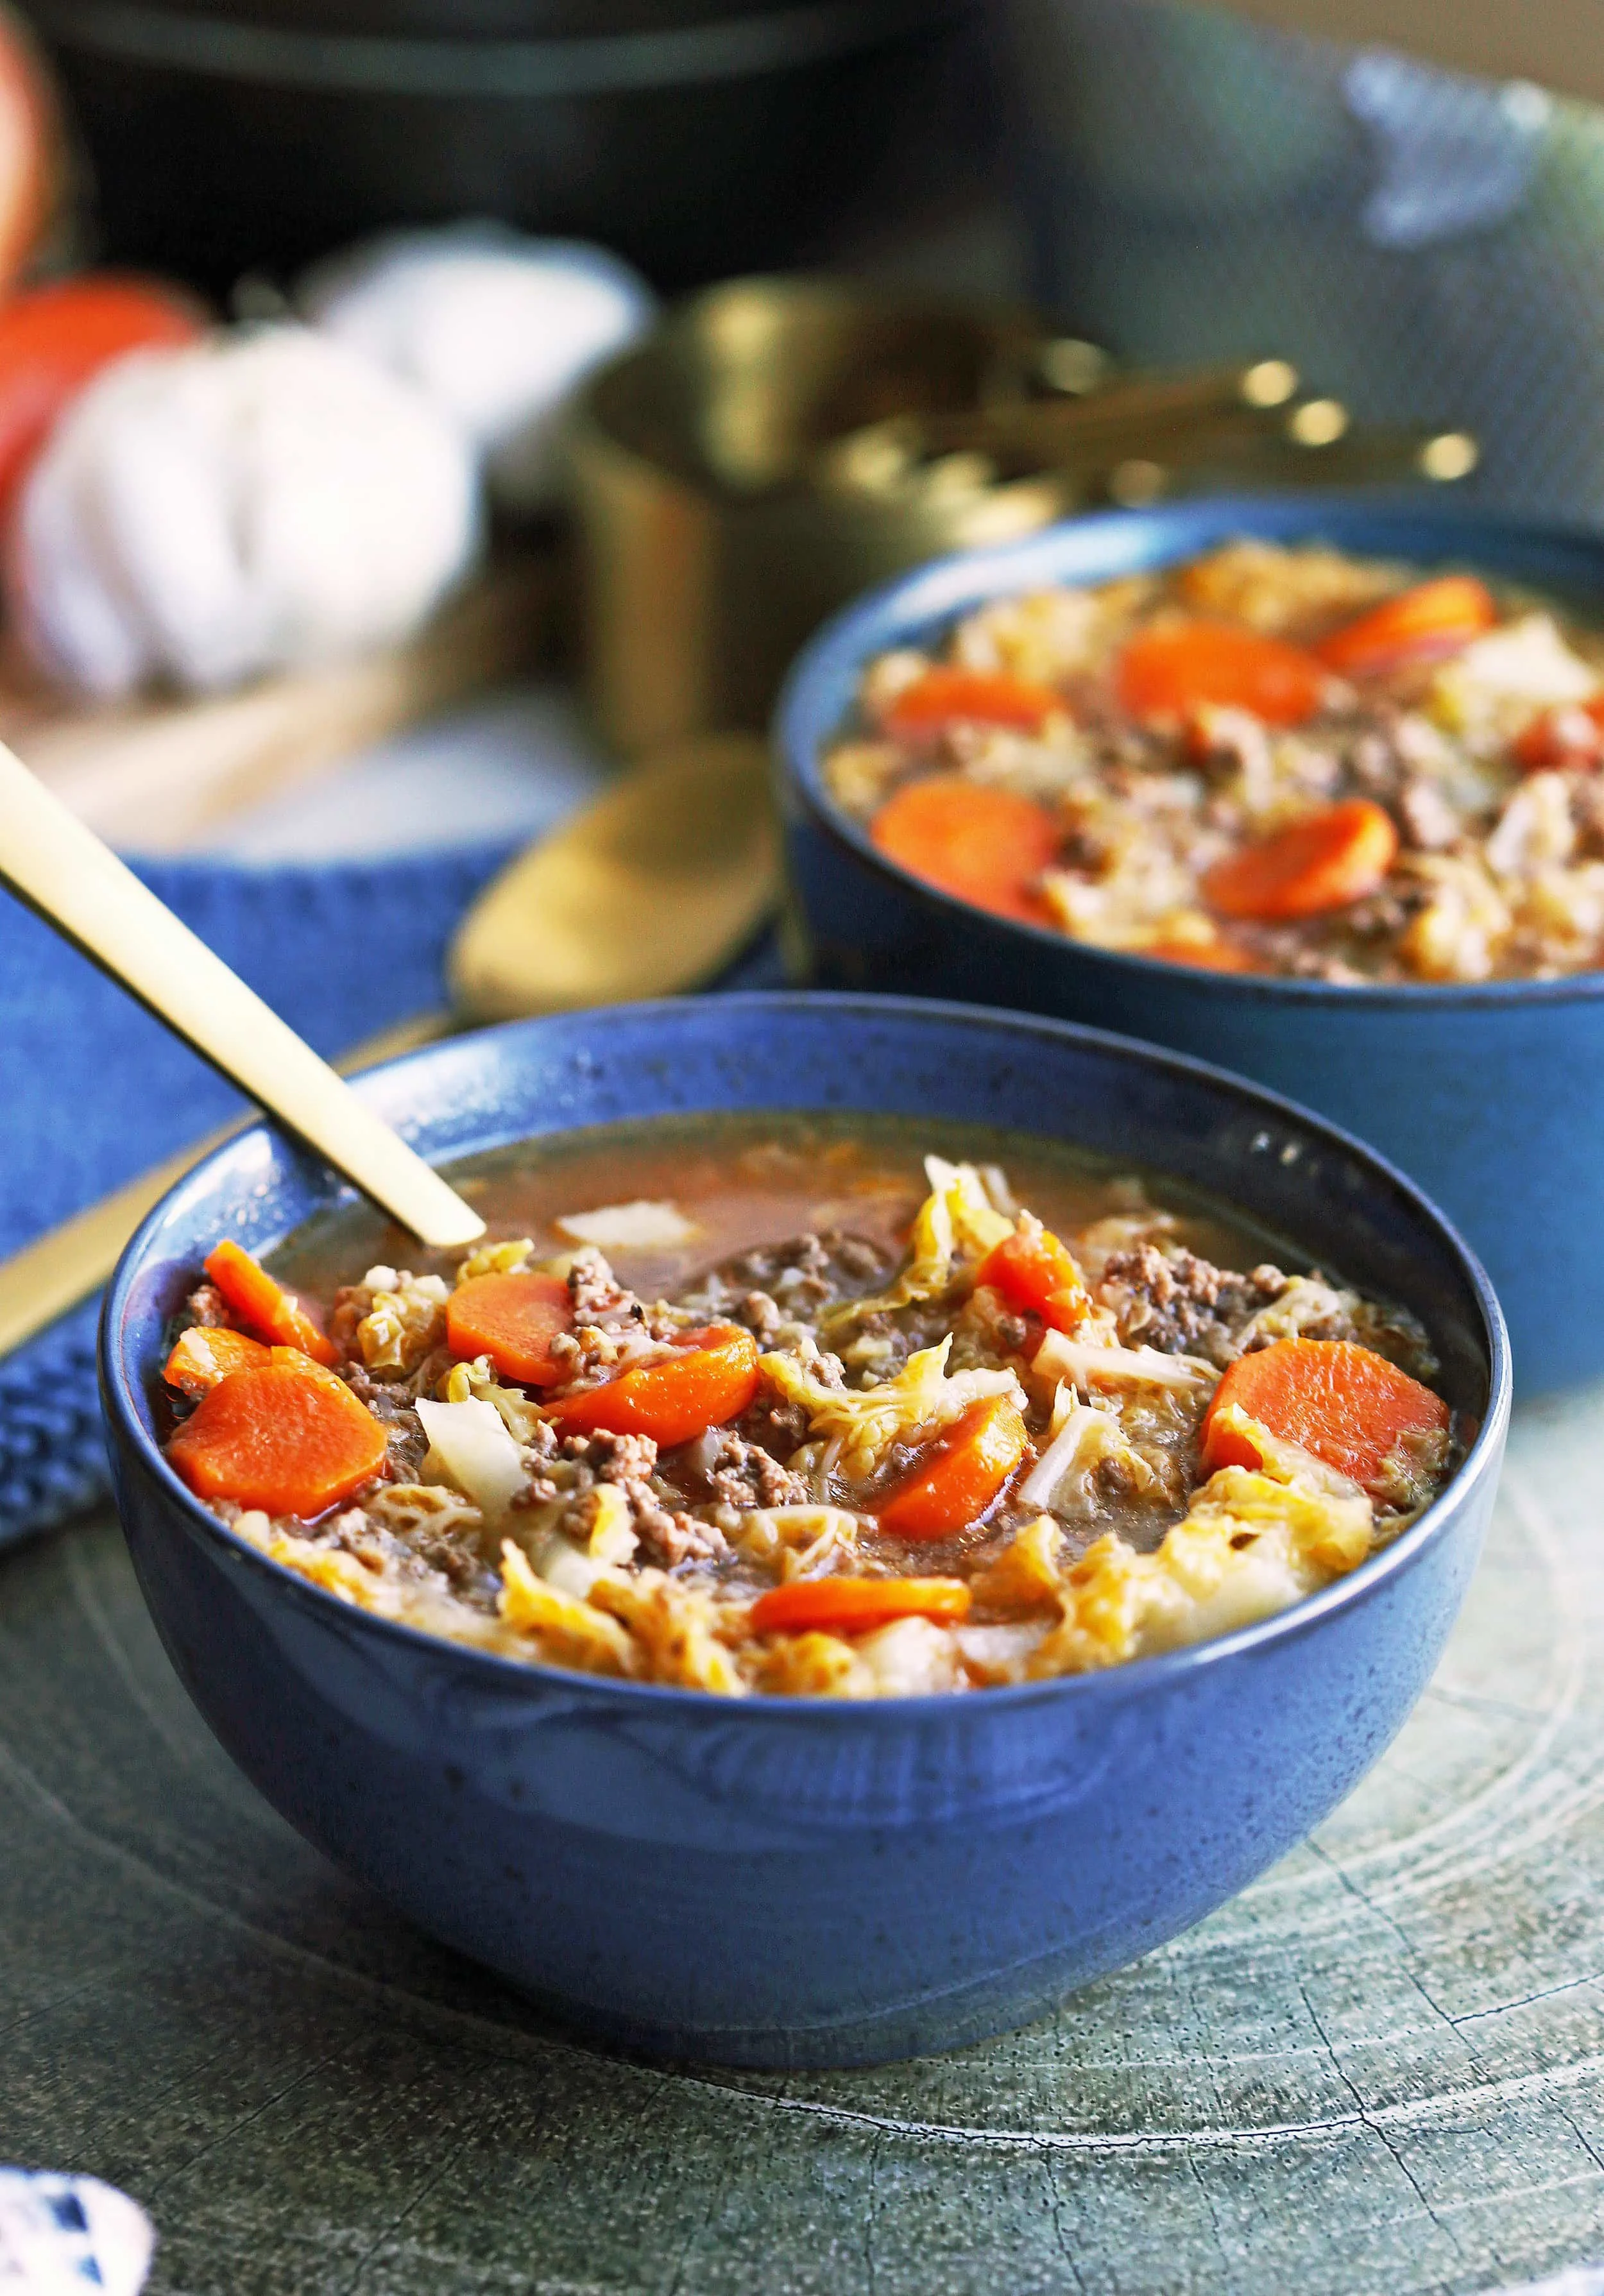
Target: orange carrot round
(513,1319)
(286,1437)
(1345,1403)
(853,1606)
(1034,1272)
(272,1313)
(207,1353)
(945,696)
(1323,862)
(1434,618)
(982,845)
(956,1483)
(1170,670)
(675,1399)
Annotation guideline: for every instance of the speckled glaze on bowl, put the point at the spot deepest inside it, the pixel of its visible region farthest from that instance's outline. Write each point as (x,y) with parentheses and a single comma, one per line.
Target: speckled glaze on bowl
(1491,1097)
(787,1881)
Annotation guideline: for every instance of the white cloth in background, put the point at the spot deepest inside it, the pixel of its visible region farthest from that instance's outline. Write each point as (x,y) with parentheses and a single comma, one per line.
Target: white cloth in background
(506,767)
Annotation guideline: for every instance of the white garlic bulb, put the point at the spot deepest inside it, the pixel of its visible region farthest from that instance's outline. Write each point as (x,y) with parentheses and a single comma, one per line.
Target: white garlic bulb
(496,329)
(256,502)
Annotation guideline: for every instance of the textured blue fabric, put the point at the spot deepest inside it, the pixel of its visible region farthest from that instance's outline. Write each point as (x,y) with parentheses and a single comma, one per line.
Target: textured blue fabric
(93,1090)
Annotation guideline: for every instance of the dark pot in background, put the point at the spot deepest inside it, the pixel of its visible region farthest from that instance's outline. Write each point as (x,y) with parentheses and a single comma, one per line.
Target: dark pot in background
(1427,245)
(695,139)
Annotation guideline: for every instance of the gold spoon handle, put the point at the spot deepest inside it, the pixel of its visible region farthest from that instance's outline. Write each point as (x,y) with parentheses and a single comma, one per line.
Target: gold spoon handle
(51,1275)
(79,886)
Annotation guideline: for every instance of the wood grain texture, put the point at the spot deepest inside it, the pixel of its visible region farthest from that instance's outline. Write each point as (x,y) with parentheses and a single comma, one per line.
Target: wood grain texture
(158,773)
(1380,2073)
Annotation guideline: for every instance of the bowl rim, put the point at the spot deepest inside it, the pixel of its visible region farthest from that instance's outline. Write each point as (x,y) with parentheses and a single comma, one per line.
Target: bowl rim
(931,595)
(117,1385)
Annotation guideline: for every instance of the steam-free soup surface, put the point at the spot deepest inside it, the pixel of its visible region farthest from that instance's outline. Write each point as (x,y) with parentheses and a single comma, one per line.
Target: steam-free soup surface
(1265,759)
(827,1406)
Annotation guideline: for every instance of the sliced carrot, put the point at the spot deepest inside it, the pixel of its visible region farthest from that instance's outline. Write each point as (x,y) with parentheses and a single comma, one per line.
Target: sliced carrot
(1570,735)
(1033,1271)
(852,1606)
(1434,618)
(1345,1403)
(948,697)
(258,1299)
(514,1320)
(957,1481)
(1323,862)
(982,845)
(284,1436)
(1170,670)
(1208,956)
(205,1354)
(707,1384)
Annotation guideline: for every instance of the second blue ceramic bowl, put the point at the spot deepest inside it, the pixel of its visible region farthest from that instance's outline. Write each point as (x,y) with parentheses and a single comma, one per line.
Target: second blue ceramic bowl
(1492,1098)
(791,1880)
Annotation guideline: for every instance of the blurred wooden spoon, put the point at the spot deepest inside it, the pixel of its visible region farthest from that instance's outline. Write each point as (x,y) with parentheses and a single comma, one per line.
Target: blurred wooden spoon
(654,889)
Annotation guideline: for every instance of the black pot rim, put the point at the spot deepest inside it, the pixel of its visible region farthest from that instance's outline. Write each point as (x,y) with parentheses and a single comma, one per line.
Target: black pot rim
(226,47)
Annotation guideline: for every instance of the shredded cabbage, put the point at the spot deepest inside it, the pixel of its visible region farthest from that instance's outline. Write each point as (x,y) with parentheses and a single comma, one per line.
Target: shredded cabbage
(1087,1437)
(1061,1358)
(406,1319)
(957,1220)
(497,1260)
(571,1631)
(470,1447)
(477,1380)
(1256,1541)
(621,1227)
(866,1421)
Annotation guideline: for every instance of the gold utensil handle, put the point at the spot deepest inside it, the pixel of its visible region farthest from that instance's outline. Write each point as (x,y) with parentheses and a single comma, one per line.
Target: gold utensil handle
(78,885)
(1136,407)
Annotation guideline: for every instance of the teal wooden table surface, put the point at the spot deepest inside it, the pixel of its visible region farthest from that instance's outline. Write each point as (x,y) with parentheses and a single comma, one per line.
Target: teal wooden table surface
(1381,2069)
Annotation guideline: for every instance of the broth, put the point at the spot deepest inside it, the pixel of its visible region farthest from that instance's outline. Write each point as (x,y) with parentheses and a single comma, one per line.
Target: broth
(757,1179)
(809,1404)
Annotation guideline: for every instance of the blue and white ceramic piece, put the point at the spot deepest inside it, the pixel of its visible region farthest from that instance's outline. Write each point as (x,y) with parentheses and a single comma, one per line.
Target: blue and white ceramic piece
(789,1880)
(1492,1097)
(63,2235)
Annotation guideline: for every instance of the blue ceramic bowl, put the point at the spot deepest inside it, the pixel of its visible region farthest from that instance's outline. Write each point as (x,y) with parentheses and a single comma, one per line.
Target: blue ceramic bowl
(1492,1098)
(787,1881)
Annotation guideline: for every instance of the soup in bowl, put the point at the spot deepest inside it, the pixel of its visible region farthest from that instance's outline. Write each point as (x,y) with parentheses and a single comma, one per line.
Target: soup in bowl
(1311,789)
(880,1460)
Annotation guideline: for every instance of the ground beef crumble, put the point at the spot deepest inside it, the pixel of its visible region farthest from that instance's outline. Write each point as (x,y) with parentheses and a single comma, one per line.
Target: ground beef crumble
(595,1293)
(793,1282)
(744,1474)
(206,1305)
(391,1403)
(1181,1303)
(667,1535)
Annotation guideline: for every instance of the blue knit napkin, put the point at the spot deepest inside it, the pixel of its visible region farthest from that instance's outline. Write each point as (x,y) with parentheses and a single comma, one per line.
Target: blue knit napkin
(95,1090)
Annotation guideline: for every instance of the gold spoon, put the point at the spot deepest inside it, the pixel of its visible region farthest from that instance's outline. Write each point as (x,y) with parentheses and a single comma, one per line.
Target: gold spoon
(80,887)
(679,867)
